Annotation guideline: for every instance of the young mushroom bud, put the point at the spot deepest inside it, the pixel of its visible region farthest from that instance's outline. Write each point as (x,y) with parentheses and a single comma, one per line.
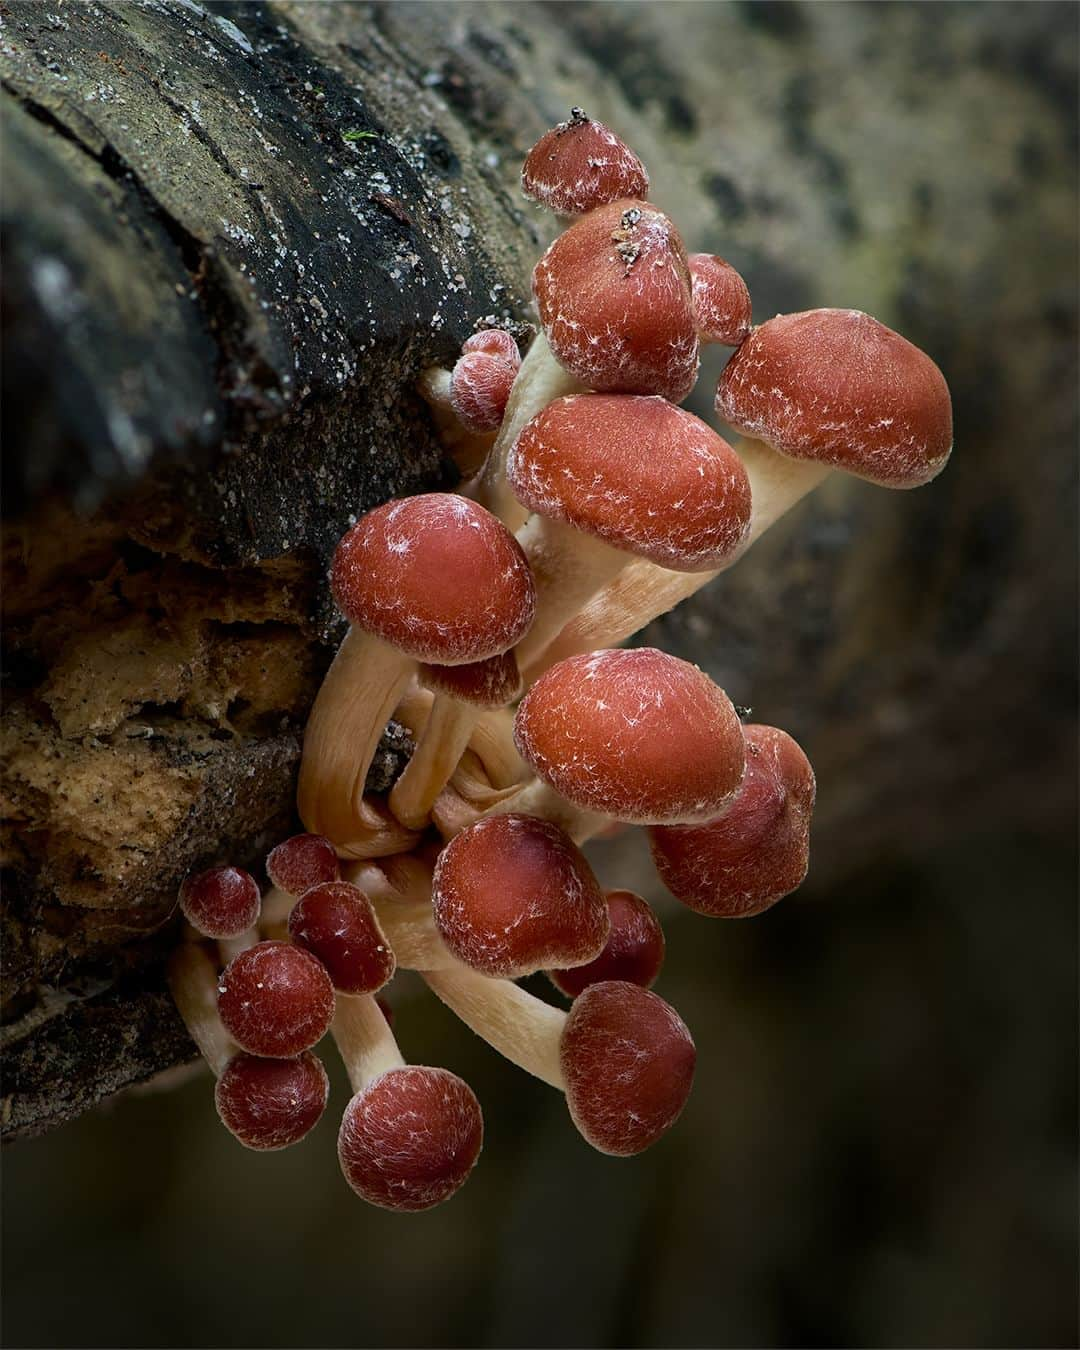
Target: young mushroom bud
(480,387)
(275,1000)
(301,862)
(411,1135)
(433,578)
(513,895)
(336,924)
(581,164)
(758,850)
(220,903)
(721,300)
(634,951)
(616,476)
(637,735)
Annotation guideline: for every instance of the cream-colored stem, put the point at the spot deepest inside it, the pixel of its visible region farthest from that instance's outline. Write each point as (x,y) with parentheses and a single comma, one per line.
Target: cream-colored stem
(468,449)
(569,568)
(443,741)
(193,980)
(539,799)
(364,1039)
(467,796)
(357,699)
(521,1027)
(492,742)
(539,380)
(230,948)
(411,932)
(276,908)
(643,591)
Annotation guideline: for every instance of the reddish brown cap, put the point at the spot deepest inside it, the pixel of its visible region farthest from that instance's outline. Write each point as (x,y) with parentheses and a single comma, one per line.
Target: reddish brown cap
(275,1000)
(628,1060)
(335,922)
(639,473)
(488,684)
(721,299)
(221,903)
(579,165)
(638,735)
(301,862)
(614,298)
(410,1138)
(496,342)
(271,1103)
(633,952)
(759,849)
(836,386)
(514,894)
(479,389)
(436,576)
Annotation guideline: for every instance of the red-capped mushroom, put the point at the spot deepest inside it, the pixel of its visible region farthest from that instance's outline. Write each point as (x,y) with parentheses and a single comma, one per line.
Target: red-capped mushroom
(623,1056)
(411,1135)
(275,999)
(721,300)
(222,902)
(758,851)
(812,392)
(303,861)
(634,951)
(581,164)
(335,922)
(635,735)
(264,1103)
(433,578)
(513,894)
(480,385)
(615,476)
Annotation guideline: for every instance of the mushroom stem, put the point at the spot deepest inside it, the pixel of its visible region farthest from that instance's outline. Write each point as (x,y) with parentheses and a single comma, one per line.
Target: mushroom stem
(539,380)
(364,1039)
(515,1023)
(357,699)
(230,947)
(444,739)
(468,449)
(540,799)
(569,567)
(642,591)
(411,932)
(193,981)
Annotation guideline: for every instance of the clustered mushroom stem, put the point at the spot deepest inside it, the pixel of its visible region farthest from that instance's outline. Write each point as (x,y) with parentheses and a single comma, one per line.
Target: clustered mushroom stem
(539,380)
(519,1026)
(411,932)
(228,948)
(193,980)
(364,1039)
(467,449)
(443,741)
(642,591)
(539,799)
(357,699)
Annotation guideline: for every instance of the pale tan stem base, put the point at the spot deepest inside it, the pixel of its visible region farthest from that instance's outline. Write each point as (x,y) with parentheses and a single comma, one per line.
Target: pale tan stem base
(364,1039)
(357,699)
(444,740)
(521,1027)
(569,567)
(643,591)
(468,449)
(538,799)
(492,739)
(467,796)
(193,980)
(539,380)
(411,932)
(229,948)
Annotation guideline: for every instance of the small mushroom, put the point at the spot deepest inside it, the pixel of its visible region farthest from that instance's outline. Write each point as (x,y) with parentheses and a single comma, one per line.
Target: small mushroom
(721,300)
(303,861)
(335,922)
(222,902)
(581,164)
(633,952)
(275,999)
(482,378)
(758,851)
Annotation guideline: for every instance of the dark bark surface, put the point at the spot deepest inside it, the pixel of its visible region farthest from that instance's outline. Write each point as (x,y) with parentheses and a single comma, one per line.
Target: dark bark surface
(235,234)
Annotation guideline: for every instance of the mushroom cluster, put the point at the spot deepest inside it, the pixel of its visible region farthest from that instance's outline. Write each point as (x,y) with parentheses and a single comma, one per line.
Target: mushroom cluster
(489,622)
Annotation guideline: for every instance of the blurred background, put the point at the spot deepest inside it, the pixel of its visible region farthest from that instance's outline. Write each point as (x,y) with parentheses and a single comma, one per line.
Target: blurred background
(880,1148)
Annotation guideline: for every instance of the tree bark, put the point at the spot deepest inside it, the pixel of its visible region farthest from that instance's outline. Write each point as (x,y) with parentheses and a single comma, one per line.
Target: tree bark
(235,234)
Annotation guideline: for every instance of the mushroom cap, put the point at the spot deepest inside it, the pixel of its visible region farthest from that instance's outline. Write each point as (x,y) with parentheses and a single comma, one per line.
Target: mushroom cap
(410,1138)
(271,1103)
(336,923)
(628,1060)
(721,299)
(222,902)
(480,386)
(637,472)
(496,342)
(634,951)
(486,684)
(435,576)
(614,298)
(275,1000)
(579,165)
(514,894)
(759,849)
(836,386)
(638,735)
(301,862)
